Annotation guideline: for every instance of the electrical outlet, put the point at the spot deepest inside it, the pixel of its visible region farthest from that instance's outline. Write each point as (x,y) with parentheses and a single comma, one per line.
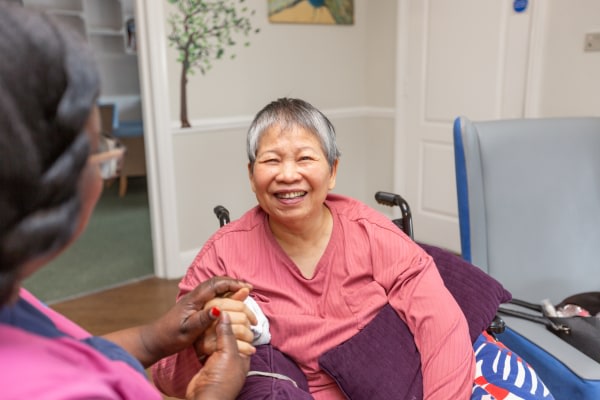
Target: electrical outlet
(592,41)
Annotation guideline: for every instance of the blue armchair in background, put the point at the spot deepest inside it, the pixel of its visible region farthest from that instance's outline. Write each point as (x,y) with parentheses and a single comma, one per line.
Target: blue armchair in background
(529,214)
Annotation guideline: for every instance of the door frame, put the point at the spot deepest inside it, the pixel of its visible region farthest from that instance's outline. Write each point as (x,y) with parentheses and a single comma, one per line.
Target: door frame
(152,64)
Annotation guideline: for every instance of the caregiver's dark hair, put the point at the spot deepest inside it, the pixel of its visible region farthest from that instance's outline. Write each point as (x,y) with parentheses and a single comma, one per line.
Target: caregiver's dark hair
(48,86)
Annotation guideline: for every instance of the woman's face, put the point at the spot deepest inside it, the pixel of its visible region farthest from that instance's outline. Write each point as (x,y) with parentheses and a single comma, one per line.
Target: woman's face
(291,175)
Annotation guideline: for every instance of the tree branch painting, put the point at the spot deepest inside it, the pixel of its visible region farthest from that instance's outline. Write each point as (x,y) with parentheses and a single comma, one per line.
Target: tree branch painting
(201,32)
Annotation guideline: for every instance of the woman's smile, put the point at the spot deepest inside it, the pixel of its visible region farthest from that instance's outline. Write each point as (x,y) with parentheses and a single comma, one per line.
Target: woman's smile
(290,195)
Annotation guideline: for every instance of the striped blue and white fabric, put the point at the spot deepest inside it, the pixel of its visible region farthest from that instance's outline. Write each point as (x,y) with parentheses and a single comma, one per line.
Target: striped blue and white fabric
(503,375)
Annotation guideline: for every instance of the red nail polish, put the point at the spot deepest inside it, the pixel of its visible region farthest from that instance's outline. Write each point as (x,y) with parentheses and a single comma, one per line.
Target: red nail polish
(215,312)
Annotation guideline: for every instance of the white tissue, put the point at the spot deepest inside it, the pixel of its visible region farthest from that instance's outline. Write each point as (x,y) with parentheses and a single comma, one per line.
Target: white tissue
(261,332)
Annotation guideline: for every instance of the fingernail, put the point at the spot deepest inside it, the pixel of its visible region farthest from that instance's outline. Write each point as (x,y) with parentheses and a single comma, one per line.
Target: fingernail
(215,312)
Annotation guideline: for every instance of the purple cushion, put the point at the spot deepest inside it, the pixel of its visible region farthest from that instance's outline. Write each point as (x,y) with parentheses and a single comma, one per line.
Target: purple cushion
(477,294)
(375,364)
(269,359)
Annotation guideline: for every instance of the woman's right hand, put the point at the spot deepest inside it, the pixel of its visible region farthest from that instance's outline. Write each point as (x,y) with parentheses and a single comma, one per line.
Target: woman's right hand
(241,318)
(224,372)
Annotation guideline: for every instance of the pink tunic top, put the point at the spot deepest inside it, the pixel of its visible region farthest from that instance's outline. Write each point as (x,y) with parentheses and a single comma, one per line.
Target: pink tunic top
(368,262)
(48,366)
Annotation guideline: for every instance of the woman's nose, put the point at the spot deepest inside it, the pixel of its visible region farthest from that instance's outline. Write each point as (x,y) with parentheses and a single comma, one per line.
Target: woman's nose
(288,171)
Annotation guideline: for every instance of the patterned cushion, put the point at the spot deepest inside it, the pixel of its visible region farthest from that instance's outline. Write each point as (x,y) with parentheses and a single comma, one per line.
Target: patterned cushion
(503,375)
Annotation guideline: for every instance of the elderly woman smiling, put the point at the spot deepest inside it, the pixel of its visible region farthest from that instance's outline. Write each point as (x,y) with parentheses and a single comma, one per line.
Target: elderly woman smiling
(322,265)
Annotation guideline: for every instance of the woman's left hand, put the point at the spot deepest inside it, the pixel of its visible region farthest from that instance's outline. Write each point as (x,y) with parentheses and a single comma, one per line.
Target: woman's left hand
(241,319)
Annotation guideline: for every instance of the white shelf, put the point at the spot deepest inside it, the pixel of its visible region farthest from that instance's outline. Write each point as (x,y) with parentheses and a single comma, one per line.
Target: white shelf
(73,13)
(55,5)
(108,44)
(103,23)
(72,20)
(101,31)
(103,15)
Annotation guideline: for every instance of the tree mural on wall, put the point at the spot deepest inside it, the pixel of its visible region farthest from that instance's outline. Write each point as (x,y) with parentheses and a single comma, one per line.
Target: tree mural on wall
(201,31)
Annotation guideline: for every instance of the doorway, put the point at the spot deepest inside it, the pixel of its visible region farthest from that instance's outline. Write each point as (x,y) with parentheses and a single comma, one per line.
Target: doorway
(117,245)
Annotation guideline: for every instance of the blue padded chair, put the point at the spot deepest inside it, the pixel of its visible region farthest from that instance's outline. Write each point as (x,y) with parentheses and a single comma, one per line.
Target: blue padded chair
(529,213)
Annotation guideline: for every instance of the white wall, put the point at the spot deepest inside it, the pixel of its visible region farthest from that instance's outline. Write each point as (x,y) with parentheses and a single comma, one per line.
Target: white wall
(568,77)
(323,64)
(380,78)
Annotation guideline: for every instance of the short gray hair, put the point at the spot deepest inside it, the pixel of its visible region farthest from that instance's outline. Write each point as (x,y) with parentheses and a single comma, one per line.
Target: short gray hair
(288,112)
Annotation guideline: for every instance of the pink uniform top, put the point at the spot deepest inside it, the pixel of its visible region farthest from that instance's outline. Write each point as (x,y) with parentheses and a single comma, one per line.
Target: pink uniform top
(49,360)
(368,262)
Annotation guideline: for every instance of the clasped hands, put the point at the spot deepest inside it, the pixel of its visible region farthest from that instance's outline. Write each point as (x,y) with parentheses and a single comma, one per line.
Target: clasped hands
(206,319)
(242,318)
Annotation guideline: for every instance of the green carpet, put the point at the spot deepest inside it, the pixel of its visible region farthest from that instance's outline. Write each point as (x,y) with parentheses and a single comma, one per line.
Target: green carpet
(115,248)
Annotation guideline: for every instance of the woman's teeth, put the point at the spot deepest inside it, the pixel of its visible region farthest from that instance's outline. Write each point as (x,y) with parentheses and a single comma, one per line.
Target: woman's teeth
(290,195)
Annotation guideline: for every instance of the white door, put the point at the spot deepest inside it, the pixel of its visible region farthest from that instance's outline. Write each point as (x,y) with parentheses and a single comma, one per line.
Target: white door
(456,57)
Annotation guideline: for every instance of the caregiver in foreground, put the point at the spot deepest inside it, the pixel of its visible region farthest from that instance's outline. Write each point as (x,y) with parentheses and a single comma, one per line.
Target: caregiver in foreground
(51,176)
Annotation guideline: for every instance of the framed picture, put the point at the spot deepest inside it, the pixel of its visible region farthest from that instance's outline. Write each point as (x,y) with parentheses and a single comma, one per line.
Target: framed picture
(328,12)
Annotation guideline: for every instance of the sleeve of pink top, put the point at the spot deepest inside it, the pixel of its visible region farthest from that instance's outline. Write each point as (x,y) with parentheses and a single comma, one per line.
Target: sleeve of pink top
(172,374)
(418,294)
(62,323)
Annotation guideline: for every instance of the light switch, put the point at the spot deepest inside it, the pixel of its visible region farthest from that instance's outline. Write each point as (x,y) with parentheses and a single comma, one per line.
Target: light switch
(592,42)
